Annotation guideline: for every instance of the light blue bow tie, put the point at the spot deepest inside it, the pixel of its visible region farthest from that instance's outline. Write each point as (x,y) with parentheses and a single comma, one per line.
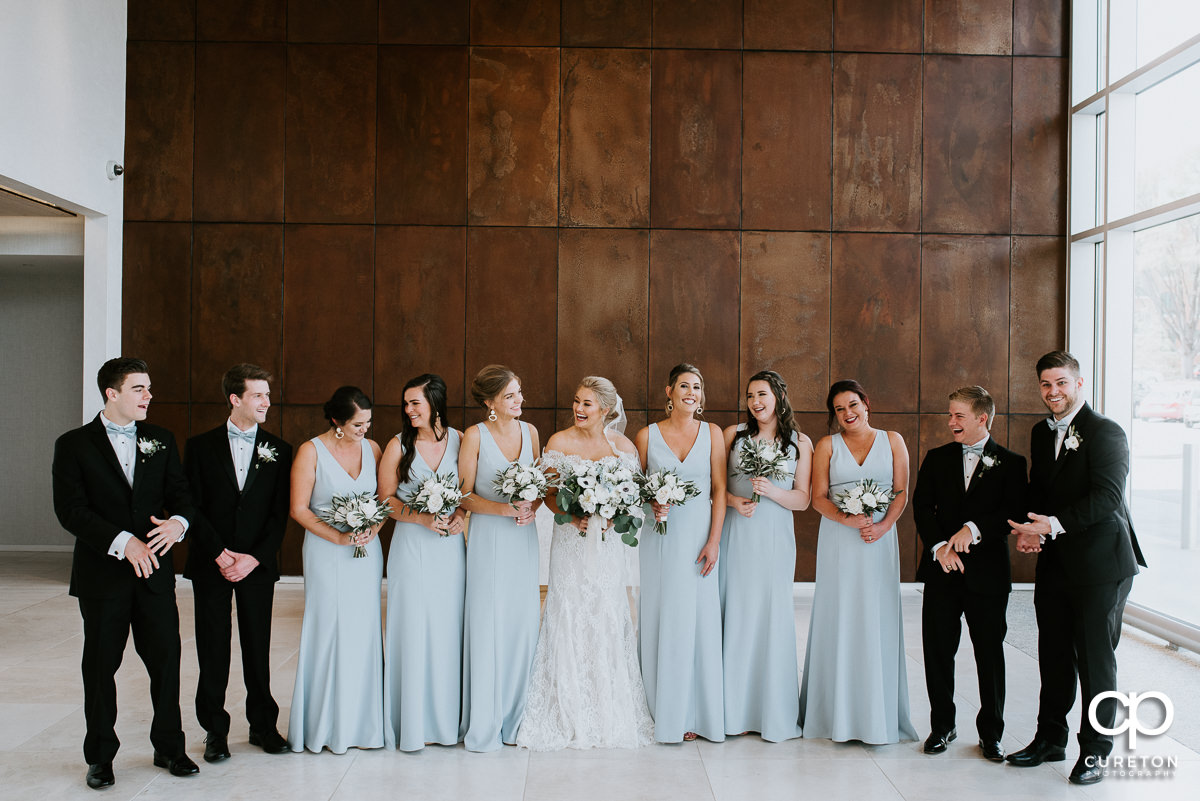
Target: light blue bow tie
(1058,425)
(246,436)
(123,431)
(975,449)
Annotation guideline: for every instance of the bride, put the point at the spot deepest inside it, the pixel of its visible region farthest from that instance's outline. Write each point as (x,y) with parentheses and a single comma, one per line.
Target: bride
(586,687)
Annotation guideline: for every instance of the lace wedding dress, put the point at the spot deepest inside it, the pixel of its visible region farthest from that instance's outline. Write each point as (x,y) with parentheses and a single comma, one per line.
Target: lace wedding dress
(586,689)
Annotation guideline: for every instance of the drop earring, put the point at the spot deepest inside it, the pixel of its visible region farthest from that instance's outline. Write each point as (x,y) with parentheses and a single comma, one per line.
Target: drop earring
(339,433)
(670,407)
(492,415)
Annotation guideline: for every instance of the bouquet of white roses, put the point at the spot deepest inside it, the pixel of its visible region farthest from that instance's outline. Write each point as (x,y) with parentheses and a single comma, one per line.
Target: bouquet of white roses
(864,498)
(667,488)
(354,514)
(608,490)
(761,458)
(437,495)
(521,482)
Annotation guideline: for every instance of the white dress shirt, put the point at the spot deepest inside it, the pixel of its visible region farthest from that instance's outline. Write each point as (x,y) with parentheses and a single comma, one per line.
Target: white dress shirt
(241,451)
(1056,527)
(126,451)
(970,460)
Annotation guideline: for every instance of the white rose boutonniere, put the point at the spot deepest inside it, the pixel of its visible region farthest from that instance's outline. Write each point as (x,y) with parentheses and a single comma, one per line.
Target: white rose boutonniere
(1072,441)
(149,447)
(987,462)
(265,452)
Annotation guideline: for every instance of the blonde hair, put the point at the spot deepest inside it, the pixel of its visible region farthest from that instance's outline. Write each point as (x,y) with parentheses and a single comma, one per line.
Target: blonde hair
(979,399)
(605,392)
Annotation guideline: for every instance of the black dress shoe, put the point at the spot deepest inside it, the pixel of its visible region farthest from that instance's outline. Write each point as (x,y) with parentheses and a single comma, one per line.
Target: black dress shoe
(992,750)
(936,743)
(1085,773)
(179,765)
(1036,753)
(100,775)
(216,748)
(270,741)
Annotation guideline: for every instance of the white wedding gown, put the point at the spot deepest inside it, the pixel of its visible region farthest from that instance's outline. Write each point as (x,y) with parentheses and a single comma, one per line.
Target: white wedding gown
(586,689)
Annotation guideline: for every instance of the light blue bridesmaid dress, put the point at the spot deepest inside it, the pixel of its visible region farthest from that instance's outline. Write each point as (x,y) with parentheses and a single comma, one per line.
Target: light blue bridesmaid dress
(500,628)
(679,611)
(855,684)
(423,658)
(757,569)
(337,702)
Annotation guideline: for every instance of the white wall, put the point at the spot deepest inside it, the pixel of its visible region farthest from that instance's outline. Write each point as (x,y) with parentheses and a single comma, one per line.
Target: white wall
(62,119)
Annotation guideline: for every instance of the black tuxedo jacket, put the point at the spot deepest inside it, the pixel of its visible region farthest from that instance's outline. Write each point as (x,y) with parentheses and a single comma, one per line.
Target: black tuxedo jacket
(94,502)
(1085,489)
(251,520)
(942,505)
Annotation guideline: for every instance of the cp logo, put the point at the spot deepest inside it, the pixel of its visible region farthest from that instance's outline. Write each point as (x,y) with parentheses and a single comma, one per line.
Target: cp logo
(1131,723)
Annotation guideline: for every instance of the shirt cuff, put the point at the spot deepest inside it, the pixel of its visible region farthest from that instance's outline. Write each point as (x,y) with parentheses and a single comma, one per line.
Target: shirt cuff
(976,537)
(937,548)
(183,522)
(1056,527)
(119,542)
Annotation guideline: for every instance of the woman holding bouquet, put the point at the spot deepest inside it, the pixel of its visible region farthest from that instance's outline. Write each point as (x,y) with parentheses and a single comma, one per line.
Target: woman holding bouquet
(855,685)
(337,702)
(500,626)
(586,690)
(680,610)
(758,564)
(427,571)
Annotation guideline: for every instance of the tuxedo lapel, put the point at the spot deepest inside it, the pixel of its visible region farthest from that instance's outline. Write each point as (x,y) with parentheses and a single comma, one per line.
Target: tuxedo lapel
(224,454)
(252,470)
(100,439)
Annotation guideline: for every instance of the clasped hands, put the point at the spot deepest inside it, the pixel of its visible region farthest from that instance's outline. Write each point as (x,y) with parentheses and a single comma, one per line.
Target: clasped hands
(450,525)
(235,566)
(868,529)
(143,556)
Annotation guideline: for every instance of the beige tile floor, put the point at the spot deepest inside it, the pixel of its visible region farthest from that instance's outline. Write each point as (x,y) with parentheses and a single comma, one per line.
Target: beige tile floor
(41,731)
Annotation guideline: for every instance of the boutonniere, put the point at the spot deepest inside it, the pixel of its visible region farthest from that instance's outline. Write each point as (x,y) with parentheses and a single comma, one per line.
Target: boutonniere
(149,447)
(1072,441)
(265,452)
(987,462)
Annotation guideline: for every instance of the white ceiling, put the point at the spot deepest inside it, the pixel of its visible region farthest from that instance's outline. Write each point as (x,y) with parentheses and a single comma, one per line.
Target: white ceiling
(14,205)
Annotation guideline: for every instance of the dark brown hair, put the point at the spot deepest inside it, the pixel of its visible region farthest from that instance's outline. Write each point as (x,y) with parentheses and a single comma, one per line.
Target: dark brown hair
(490,382)
(845,385)
(112,373)
(235,378)
(344,404)
(784,419)
(680,369)
(433,387)
(1058,358)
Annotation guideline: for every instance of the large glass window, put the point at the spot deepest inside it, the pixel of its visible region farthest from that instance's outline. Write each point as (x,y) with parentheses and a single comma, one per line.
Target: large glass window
(1135,236)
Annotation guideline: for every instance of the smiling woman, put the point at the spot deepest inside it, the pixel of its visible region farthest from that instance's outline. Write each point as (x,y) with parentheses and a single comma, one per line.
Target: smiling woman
(855,683)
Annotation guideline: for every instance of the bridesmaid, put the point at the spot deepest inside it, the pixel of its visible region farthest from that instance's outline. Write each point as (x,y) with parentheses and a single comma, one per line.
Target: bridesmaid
(758,565)
(679,615)
(855,684)
(426,573)
(337,702)
(503,597)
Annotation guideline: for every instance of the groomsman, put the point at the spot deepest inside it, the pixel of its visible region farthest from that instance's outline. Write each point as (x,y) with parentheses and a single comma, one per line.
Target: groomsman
(239,476)
(966,492)
(1088,558)
(113,478)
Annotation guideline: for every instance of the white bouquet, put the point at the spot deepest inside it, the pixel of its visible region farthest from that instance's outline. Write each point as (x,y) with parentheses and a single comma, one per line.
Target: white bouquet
(354,514)
(436,495)
(521,482)
(761,458)
(607,491)
(667,488)
(864,498)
